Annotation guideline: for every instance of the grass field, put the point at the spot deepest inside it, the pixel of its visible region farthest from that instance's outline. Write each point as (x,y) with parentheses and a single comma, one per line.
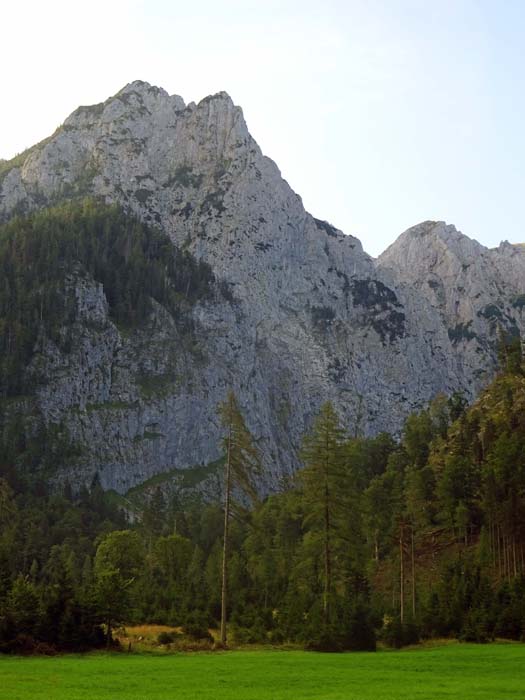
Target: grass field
(465,672)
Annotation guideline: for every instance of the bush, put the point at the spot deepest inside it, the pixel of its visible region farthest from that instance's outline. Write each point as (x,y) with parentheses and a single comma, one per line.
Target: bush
(196,627)
(359,633)
(475,628)
(248,635)
(44,649)
(25,644)
(509,623)
(276,637)
(195,645)
(351,628)
(166,638)
(399,634)
(326,639)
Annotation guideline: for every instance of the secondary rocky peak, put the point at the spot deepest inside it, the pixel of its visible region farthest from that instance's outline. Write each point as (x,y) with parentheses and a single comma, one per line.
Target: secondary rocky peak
(511,249)
(476,291)
(429,240)
(220,96)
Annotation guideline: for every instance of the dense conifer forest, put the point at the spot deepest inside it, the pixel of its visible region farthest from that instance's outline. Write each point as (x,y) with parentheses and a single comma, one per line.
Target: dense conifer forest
(395,538)
(134,263)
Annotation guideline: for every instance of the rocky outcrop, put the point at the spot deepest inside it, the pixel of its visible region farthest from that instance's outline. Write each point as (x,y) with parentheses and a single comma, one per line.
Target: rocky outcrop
(475,291)
(308,317)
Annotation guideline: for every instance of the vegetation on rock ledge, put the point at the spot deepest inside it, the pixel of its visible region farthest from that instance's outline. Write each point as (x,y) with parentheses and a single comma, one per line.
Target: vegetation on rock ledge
(42,257)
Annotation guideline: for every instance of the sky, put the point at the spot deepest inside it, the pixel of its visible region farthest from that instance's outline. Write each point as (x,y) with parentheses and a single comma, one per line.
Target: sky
(379,113)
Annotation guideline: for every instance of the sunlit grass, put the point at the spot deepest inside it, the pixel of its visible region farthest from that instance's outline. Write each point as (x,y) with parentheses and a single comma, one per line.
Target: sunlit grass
(466,672)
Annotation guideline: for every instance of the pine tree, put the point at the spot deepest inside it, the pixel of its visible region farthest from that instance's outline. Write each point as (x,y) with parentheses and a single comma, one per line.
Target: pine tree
(323,479)
(241,467)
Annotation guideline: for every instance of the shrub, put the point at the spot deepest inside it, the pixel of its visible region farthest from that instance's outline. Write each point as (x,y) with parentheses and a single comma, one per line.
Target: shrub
(248,635)
(196,645)
(399,634)
(475,628)
(276,637)
(196,627)
(166,638)
(359,633)
(326,639)
(25,644)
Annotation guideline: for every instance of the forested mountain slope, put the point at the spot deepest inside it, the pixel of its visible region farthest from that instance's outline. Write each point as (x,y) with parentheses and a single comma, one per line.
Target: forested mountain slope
(417,537)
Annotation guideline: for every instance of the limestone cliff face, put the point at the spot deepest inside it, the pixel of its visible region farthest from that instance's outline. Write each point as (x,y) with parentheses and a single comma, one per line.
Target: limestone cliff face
(475,291)
(309,315)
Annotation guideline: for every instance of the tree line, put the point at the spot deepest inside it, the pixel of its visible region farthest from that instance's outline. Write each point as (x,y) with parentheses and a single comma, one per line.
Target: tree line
(376,538)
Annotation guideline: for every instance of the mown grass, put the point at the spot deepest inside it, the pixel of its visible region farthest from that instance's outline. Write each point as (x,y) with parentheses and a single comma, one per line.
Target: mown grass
(466,672)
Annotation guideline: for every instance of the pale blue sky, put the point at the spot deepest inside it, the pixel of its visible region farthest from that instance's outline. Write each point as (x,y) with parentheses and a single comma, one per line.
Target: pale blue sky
(380,113)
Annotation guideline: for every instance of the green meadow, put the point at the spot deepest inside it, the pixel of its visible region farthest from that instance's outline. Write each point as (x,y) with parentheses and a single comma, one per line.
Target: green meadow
(460,671)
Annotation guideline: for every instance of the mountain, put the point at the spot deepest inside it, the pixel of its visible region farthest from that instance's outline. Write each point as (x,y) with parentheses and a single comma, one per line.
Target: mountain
(299,313)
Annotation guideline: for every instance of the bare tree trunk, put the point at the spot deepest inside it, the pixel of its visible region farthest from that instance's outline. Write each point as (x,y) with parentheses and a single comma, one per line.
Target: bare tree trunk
(327,561)
(506,570)
(512,539)
(498,546)
(492,544)
(394,582)
(225,542)
(413,574)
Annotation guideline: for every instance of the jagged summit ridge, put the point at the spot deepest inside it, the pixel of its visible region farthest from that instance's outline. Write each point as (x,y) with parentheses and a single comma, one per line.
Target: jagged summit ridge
(309,316)
(86,150)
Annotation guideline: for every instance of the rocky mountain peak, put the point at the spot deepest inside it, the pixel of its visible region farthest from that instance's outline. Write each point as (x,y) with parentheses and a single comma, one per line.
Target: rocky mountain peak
(304,315)
(140,147)
(510,249)
(429,242)
(143,88)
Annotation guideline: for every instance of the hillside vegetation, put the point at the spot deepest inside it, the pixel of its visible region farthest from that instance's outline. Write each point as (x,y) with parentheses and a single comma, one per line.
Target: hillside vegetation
(401,539)
(41,255)
(397,538)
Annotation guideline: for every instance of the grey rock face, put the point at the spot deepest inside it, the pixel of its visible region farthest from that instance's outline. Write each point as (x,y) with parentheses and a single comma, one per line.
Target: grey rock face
(475,291)
(313,317)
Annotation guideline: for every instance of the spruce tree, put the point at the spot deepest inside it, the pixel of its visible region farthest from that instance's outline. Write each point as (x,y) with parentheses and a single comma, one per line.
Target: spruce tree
(325,489)
(241,467)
